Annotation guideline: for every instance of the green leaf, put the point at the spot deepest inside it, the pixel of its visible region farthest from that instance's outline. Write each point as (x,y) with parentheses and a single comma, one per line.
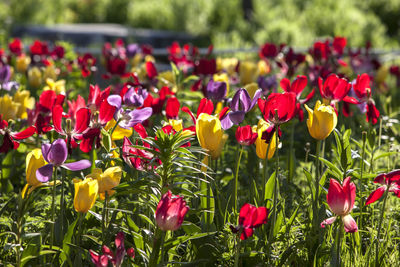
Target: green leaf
(269,189)
(207,202)
(67,239)
(339,173)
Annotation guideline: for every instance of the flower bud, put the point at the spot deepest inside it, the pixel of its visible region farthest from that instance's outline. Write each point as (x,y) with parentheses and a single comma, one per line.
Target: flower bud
(210,134)
(170,212)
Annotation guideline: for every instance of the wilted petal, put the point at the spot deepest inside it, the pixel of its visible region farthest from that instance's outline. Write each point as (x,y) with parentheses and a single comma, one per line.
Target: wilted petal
(77,165)
(43,174)
(328,221)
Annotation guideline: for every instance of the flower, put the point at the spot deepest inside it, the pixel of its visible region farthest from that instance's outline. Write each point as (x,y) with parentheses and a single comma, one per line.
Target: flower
(117,258)
(9,136)
(261,145)
(85,194)
(135,97)
(170,212)
(151,70)
(34,77)
(223,78)
(172,108)
(34,160)
(107,180)
(335,89)
(56,154)
(26,102)
(57,86)
(16,47)
(22,63)
(240,105)
(321,121)
(391,179)
(216,90)
(245,135)
(363,91)
(250,217)
(341,201)
(9,108)
(248,72)
(210,134)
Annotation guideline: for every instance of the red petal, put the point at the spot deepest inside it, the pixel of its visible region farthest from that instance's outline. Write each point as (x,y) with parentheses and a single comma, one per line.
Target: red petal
(57,119)
(172,108)
(139,128)
(82,120)
(106,112)
(285,84)
(260,217)
(206,106)
(151,70)
(299,84)
(28,132)
(375,195)
(246,233)
(245,211)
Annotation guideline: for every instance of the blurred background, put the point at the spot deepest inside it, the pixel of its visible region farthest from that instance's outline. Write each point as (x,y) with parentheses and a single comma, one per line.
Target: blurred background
(224,23)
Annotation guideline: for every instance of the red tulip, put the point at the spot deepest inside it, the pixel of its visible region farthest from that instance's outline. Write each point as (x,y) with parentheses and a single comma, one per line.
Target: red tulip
(277,109)
(16,47)
(339,44)
(8,136)
(341,201)
(362,89)
(335,89)
(268,50)
(391,179)
(250,217)
(151,70)
(170,212)
(172,108)
(245,135)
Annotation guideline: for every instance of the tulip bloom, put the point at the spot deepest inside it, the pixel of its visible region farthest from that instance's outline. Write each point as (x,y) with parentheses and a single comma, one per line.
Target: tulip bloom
(341,201)
(56,154)
(250,217)
(85,194)
(216,90)
(321,121)
(277,109)
(107,180)
(335,89)
(210,134)
(170,212)
(172,108)
(9,136)
(245,135)
(391,180)
(261,145)
(363,91)
(34,160)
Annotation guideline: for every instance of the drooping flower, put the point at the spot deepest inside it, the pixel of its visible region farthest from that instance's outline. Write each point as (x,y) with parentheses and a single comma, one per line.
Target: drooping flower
(321,121)
(170,212)
(341,201)
(85,194)
(56,155)
(391,180)
(250,217)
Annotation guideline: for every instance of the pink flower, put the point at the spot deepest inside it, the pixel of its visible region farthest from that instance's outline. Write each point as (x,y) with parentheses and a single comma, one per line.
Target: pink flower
(341,201)
(250,217)
(391,179)
(170,212)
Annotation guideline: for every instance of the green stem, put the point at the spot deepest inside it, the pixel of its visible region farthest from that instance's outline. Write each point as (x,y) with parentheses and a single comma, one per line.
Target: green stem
(62,200)
(317,177)
(237,255)
(237,180)
(338,241)
(53,208)
(265,173)
(275,208)
(79,228)
(156,248)
(103,218)
(290,176)
(380,226)
(364,140)
(162,248)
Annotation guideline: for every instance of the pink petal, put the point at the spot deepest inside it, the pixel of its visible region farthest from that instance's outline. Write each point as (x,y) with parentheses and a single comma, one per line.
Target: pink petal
(350,224)
(328,221)
(375,195)
(82,120)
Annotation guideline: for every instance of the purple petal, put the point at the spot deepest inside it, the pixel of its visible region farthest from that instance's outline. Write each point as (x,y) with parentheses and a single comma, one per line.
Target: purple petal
(115,100)
(5,74)
(58,152)
(77,165)
(236,116)
(136,116)
(45,151)
(245,100)
(226,123)
(234,105)
(257,95)
(43,174)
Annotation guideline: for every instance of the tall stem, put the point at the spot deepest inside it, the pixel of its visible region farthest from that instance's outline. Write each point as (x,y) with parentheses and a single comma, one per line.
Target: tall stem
(237,180)
(156,248)
(265,172)
(237,255)
(271,234)
(317,176)
(103,218)
(53,208)
(338,241)
(63,174)
(380,226)
(364,140)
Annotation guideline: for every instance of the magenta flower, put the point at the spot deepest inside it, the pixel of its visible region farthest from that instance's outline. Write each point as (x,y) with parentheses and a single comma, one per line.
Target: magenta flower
(250,217)
(341,201)
(391,179)
(56,154)
(170,212)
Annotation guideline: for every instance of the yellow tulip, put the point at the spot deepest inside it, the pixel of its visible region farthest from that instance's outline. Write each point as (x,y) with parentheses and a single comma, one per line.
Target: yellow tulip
(25,101)
(119,132)
(263,67)
(261,145)
(227,64)
(9,108)
(248,72)
(176,124)
(210,134)
(22,63)
(107,180)
(34,77)
(57,86)
(251,89)
(223,77)
(34,160)
(85,194)
(321,121)
(50,73)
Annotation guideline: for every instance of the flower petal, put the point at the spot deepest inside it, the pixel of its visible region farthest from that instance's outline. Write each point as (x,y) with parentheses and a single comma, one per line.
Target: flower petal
(78,165)
(375,195)
(43,174)
(350,224)
(328,221)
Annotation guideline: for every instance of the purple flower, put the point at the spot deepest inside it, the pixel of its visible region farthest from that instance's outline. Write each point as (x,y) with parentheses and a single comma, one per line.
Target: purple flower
(267,84)
(241,104)
(132,50)
(5,75)
(56,154)
(216,91)
(135,98)
(129,118)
